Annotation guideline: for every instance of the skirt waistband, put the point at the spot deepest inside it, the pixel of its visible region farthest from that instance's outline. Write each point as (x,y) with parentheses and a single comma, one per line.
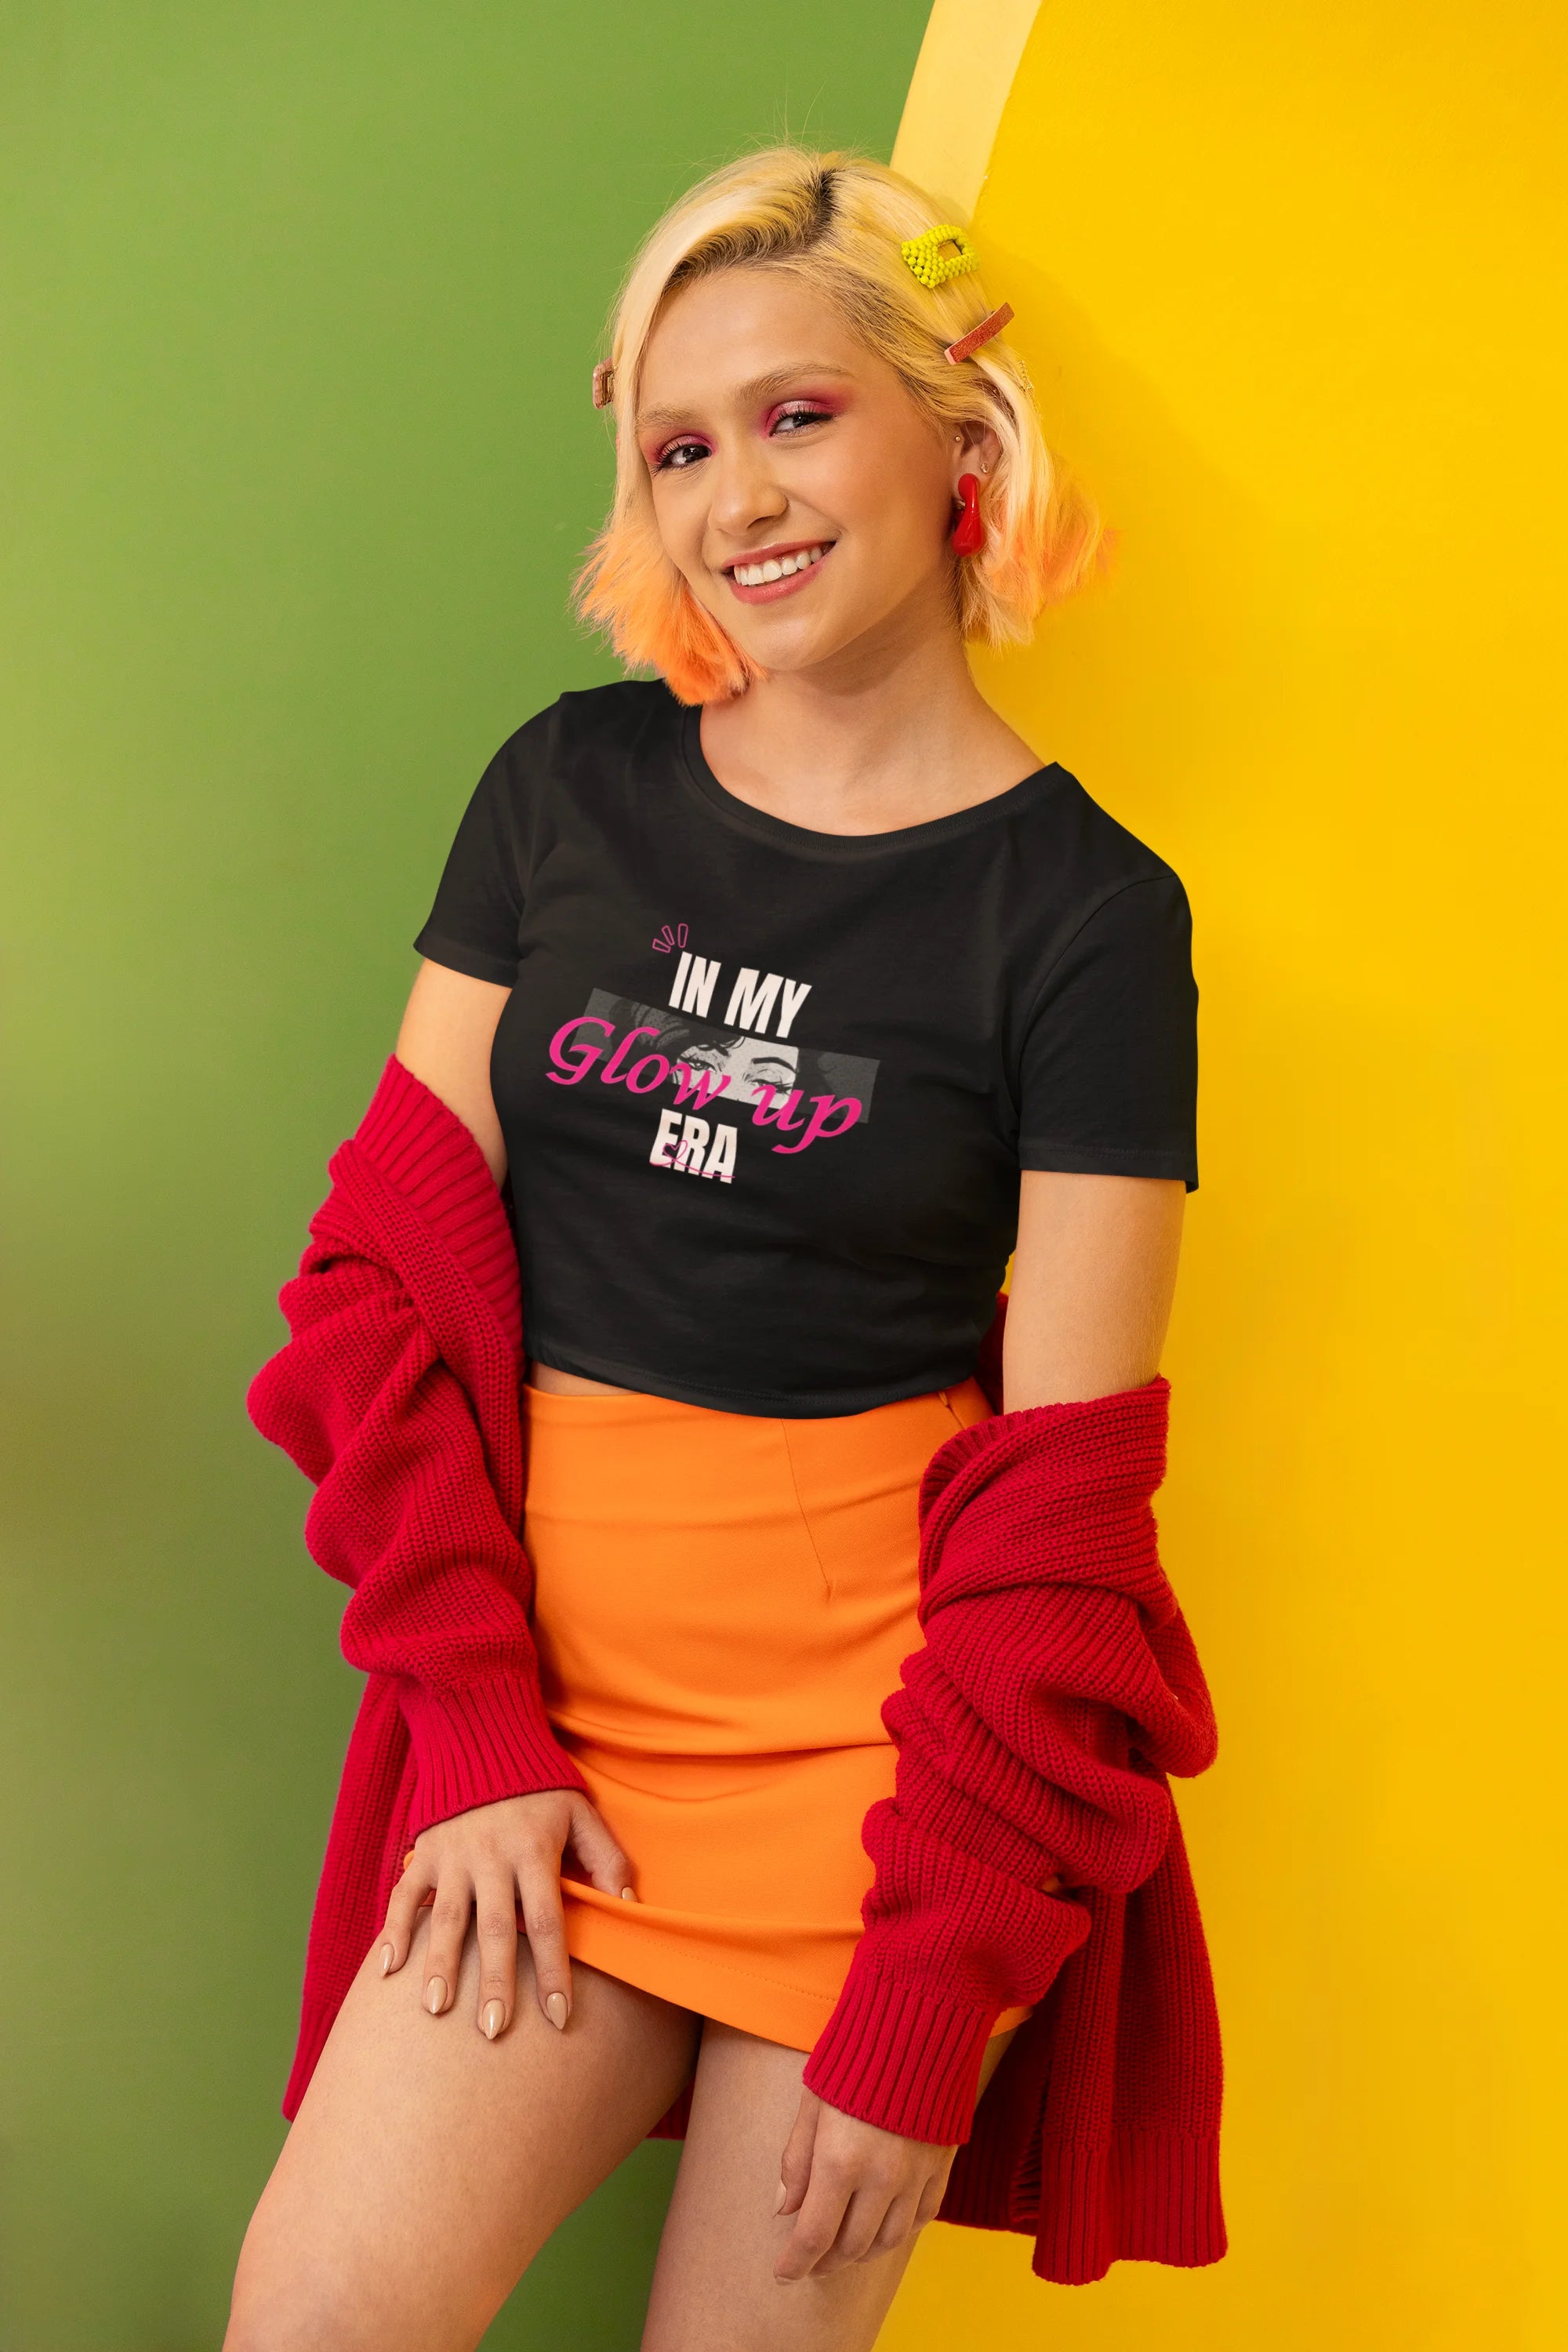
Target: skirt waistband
(635,1409)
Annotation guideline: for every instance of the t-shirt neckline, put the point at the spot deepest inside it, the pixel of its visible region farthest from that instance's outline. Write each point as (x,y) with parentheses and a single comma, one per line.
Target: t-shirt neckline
(781,835)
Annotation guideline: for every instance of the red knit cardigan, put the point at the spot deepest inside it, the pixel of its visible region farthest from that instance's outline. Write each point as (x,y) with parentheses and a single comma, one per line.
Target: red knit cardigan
(1057,1688)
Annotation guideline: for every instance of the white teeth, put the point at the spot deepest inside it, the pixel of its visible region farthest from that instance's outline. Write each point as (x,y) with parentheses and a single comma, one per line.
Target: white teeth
(753,576)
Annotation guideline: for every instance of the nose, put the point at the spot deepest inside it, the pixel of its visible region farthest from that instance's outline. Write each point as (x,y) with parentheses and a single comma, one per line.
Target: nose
(745,490)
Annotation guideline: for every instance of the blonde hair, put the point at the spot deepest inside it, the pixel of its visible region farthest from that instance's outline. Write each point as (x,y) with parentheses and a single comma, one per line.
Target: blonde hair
(835,221)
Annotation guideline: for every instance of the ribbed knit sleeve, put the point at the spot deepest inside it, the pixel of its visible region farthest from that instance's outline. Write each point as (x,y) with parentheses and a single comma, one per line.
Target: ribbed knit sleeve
(1057,1687)
(396,1395)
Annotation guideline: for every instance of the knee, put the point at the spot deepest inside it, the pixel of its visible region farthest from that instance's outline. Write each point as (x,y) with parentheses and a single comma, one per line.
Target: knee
(294,2316)
(253,2329)
(295,2330)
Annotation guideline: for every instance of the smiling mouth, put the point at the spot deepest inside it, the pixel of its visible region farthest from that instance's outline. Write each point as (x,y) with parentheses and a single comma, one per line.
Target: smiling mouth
(759,580)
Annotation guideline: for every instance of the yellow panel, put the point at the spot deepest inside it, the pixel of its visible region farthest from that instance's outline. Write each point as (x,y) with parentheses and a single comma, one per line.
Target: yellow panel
(1289,280)
(962,78)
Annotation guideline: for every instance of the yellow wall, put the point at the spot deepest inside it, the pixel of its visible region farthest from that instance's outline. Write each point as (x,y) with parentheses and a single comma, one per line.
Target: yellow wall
(1288,279)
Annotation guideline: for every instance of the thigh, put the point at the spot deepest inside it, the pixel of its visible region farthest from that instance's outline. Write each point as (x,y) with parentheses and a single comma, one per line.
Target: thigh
(427,2166)
(714,2289)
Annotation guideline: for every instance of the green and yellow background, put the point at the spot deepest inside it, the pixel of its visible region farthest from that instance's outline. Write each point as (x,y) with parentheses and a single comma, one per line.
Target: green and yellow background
(298,307)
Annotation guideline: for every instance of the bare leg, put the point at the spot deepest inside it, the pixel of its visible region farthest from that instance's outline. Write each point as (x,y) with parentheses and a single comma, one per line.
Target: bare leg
(428,2166)
(713,2288)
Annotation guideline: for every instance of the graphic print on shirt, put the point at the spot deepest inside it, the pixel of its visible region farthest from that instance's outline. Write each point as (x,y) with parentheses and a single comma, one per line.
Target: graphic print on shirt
(746,1059)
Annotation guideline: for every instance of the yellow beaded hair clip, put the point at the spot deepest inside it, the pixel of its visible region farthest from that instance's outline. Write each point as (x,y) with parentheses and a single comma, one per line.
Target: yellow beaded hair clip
(931,265)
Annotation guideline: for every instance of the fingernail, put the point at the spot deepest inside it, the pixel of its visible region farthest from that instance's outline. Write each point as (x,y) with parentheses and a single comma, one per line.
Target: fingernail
(495,2018)
(555,2010)
(784,2193)
(386,1958)
(435,1995)
(627,1896)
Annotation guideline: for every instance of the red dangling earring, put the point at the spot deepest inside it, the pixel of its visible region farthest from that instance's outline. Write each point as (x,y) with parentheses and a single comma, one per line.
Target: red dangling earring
(969,531)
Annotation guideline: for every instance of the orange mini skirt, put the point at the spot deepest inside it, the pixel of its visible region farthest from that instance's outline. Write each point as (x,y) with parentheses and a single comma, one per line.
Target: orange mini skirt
(722,1605)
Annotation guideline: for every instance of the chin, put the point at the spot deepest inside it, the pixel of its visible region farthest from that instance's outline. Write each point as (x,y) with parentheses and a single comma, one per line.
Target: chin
(784,661)
(795,637)
(787,643)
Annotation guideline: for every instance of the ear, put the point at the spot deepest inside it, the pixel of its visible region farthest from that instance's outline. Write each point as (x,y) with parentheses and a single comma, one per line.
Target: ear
(976,447)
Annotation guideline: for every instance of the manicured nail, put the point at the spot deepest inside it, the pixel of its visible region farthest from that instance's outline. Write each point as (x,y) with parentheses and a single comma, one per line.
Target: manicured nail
(555,2010)
(435,1995)
(388,1954)
(495,2018)
(784,2193)
(627,1894)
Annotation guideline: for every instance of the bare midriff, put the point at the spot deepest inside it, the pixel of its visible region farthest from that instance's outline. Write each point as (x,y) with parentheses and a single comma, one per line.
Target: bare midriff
(555,1383)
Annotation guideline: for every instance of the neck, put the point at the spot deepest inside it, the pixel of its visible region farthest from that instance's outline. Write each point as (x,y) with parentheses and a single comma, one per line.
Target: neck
(889,732)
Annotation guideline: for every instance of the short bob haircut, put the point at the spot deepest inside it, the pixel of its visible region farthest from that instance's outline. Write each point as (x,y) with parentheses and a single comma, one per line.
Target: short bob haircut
(835,221)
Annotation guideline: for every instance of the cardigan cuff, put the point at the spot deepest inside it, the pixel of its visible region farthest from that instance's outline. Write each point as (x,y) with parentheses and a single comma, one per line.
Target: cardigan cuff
(474,1747)
(902,2055)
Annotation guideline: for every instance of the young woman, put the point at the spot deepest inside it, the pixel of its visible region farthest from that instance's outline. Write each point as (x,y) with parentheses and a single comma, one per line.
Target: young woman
(922,1000)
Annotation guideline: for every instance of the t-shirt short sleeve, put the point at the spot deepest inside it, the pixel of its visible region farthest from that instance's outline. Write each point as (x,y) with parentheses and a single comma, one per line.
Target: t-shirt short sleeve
(1109,1068)
(473,925)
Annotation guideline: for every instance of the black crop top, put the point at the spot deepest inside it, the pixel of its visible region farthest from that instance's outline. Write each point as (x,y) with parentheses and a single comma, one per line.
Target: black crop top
(765,1091)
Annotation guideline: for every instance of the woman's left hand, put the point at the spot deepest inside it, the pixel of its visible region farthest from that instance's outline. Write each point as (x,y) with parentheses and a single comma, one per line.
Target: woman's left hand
(858,2190)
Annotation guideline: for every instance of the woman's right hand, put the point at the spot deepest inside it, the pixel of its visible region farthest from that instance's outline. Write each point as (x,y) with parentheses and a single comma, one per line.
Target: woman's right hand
(485,1863)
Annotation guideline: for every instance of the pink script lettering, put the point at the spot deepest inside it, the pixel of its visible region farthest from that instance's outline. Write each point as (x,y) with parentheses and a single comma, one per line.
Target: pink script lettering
(770,1112)
(703,1084)
(820,1125)
(561,1053)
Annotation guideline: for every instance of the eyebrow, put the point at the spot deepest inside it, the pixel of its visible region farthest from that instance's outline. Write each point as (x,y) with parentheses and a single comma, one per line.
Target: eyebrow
(774,381)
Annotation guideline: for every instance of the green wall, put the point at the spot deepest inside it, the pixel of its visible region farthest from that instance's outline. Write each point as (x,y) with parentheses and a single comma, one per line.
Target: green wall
(299,303)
